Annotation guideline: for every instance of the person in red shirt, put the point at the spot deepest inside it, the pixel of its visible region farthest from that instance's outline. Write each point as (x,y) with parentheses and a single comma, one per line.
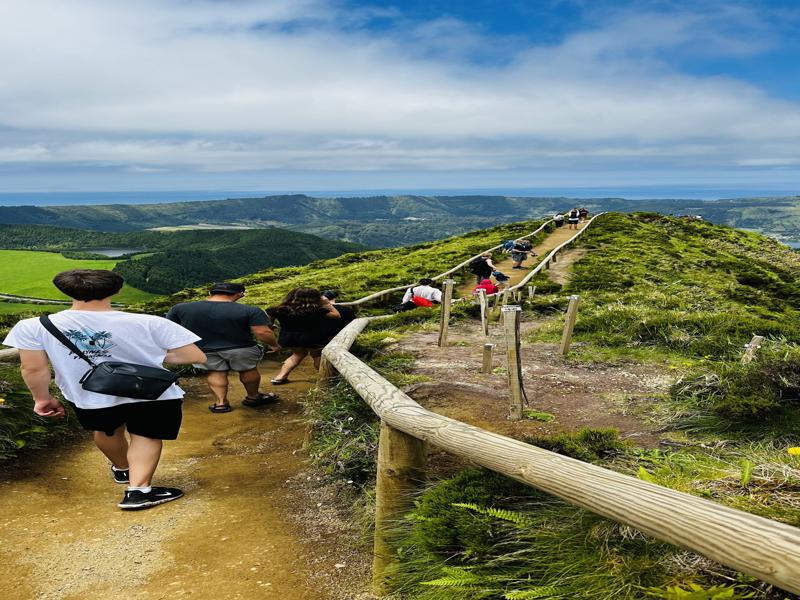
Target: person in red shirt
(486,284)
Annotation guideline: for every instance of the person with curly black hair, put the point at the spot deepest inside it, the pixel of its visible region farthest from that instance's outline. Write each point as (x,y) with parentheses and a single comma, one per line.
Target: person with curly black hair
(302,319)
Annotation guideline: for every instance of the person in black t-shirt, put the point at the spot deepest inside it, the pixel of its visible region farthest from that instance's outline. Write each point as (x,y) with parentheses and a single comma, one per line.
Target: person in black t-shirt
(303,319)
(228,330)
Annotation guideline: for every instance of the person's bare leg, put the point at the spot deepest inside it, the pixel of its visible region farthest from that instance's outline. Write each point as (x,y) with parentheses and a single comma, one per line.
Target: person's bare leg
(115,447)
(298,354)
(143,456)
(218,383)
(250,380)
(316,355)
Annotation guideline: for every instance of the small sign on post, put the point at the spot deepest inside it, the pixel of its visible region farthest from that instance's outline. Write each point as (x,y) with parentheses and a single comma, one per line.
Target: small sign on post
(444,320)
(484,302)
(751,348)
(488,349)
(569,324)
(511,319)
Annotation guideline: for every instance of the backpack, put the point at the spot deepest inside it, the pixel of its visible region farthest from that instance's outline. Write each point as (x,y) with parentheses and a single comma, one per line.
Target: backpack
(478,265)
(508,245)
(574,214)
(525,246)
(419,300)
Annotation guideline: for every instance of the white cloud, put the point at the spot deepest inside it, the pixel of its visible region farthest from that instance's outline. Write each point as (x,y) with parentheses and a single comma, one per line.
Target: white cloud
(296,84)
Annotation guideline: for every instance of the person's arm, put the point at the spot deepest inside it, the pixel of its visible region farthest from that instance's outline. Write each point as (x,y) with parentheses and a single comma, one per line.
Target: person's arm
(491,264)
(437,295)
(185,355)
(266,336)
(407,295)
(332,312)
(36,373)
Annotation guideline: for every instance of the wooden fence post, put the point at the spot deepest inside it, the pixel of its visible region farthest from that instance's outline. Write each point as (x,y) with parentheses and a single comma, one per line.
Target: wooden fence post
(506,295)
(444,320)
(326,373)
(517,296)
(531,291)
(751,348)
(486,367)
(401,471)
(569,324)
(555,254)
(511,319)
(484,302)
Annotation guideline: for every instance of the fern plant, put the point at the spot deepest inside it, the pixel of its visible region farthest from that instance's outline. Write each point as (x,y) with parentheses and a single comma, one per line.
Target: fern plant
(510,516)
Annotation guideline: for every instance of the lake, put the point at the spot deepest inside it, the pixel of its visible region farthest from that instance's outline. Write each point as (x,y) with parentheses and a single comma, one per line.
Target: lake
(112,252)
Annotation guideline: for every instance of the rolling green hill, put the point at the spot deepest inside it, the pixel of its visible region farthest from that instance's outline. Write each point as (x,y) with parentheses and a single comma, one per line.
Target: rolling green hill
(388,221)
(177,259)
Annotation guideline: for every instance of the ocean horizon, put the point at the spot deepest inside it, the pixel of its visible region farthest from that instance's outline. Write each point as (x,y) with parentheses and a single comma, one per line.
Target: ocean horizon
(56,198)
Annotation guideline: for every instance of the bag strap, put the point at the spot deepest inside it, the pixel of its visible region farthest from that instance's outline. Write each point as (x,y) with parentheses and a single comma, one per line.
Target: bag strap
(56,333)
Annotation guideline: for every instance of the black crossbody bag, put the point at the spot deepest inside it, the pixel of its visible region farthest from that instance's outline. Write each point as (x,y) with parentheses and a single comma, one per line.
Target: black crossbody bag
(127,380)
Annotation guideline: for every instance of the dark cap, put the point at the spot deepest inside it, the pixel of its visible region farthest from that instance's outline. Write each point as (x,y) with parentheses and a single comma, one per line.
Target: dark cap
(330,294)
(227,288)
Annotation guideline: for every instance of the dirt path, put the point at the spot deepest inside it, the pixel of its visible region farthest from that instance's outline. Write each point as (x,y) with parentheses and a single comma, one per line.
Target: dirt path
(557,237)
(234,536)
(577,395)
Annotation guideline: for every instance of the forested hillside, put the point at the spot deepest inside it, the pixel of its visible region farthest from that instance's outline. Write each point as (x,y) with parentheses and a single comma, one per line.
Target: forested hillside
(179,259)
(386,221)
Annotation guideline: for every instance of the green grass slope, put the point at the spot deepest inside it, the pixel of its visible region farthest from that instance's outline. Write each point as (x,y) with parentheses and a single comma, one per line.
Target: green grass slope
(359,274)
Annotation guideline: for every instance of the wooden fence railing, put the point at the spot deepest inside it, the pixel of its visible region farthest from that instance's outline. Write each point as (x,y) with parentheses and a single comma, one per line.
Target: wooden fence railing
(550,258)
(754,545)
(458,267)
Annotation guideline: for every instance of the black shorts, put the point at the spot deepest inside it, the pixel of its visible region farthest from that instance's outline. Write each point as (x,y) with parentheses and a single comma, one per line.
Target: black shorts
(155,419)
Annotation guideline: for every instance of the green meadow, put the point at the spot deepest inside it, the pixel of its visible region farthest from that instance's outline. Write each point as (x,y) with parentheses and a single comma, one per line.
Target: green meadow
(29,273)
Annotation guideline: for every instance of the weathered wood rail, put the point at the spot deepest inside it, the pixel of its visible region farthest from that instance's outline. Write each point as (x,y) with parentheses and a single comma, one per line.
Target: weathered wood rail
(551,257)
(383,293)
(754,545)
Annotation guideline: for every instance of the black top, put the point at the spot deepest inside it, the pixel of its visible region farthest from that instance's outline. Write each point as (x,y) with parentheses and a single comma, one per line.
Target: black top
(334,326)
(308,330)
(222,325)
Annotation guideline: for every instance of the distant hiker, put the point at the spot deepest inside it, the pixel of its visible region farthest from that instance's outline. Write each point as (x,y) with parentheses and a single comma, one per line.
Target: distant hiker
(346,316)
(303,319)
(520,252)
(228,333)
(92,330)
(582,214)
(500,277)
(573,218)
(558,218)
(487,286)
(482,266)
(422,295)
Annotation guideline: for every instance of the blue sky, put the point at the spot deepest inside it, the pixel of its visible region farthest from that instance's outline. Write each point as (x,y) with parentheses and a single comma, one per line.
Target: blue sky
(349,94)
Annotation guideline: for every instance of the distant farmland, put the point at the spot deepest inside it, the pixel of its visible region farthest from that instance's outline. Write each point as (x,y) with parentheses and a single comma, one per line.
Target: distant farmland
(28,273)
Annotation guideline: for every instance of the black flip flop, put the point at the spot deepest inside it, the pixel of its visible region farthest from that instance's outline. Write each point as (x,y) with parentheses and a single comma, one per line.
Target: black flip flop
(279,381)
(262,400)
(220,408)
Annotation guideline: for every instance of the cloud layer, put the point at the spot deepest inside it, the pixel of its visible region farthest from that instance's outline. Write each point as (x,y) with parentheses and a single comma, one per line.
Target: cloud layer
(210,86)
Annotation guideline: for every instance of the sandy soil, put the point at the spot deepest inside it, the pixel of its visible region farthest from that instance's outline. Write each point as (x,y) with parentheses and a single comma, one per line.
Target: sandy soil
(253,523)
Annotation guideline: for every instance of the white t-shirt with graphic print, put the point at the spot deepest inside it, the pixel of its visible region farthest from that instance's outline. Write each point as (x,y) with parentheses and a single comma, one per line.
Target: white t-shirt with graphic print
(103,336)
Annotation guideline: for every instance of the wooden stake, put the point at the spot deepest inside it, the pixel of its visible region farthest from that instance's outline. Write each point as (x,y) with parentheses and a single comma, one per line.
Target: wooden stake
(506,295)
(511,318)
(326,373)
(484,302)
(751,349)
(569,324)
(488,349)
(518,296)
(554,258)
(444,320)
(531,291)
(401,471)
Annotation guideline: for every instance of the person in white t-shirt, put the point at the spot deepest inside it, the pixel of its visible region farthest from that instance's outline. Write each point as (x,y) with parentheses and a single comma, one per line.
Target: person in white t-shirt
(424,290)
(104,334)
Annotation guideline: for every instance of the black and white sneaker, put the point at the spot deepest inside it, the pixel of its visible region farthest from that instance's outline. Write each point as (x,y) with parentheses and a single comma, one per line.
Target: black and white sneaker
(121,475)
(136,499)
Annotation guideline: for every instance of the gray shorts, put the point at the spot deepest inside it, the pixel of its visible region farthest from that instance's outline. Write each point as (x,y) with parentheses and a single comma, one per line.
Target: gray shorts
(519,256)
(234,359)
